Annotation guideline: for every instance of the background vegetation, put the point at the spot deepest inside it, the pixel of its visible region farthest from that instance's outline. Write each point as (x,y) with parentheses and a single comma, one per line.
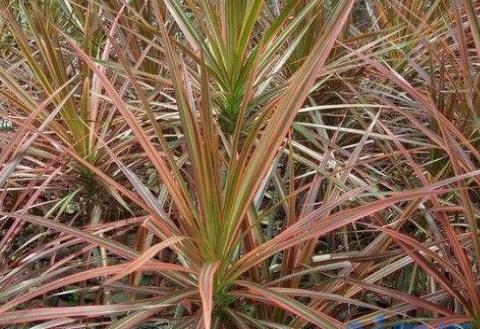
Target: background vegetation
(239,163)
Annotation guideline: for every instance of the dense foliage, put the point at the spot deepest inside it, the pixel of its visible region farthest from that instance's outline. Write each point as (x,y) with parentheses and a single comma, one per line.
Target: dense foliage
(239,163)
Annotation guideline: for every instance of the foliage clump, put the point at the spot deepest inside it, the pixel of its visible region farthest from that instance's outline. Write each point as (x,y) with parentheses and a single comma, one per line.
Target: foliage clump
(239,164)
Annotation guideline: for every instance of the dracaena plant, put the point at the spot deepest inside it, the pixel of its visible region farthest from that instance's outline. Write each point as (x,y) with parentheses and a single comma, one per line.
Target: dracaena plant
(245,158)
